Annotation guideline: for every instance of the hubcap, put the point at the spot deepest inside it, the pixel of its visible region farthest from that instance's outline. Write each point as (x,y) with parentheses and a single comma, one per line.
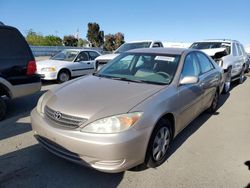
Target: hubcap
(161,143)
(64,77)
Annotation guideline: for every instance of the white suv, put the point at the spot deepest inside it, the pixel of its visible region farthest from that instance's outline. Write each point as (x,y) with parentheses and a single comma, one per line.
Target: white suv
(103,59)
(229,54)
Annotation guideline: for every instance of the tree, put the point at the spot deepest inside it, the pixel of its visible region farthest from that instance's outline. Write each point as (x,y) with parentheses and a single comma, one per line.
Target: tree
(52,40)
(119,39)
(37,39)
(70,40)
(94,35)
(34,38)
(112,42)
(109,44)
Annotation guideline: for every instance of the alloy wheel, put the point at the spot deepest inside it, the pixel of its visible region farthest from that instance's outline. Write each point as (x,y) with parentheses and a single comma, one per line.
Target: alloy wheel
(161,143)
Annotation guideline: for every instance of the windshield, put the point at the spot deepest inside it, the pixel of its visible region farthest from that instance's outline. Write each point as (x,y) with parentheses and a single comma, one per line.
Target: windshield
(211,45)
(65,55)
(129,46)
(142,68)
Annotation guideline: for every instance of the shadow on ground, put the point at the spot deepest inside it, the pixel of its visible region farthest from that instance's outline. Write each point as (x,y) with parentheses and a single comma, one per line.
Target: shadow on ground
(17,109)
(36,167)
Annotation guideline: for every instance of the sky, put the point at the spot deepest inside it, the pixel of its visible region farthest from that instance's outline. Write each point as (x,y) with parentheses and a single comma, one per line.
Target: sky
(165,20)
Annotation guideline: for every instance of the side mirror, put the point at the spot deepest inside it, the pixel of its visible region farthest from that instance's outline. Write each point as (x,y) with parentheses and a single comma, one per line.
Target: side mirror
(189,80)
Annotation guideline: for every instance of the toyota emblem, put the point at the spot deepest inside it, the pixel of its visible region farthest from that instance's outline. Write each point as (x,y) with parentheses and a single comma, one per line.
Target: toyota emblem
(57,115)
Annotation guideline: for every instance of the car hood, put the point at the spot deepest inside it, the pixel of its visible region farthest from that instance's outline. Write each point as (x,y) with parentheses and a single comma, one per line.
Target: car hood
(93,97)
(107,57)
(49,63)
(213,51)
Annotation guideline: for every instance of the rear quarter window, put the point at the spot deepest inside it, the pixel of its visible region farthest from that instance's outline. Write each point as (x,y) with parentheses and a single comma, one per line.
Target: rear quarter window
(13,45)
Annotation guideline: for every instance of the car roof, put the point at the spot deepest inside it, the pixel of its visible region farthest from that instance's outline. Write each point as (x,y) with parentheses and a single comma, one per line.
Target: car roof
(175,51)
(143,41)
(218,40)
(80,50)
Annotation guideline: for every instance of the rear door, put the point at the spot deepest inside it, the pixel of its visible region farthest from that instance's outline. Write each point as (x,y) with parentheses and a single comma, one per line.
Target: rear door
(14,55)
(209,79)
(237,59)
(190,95)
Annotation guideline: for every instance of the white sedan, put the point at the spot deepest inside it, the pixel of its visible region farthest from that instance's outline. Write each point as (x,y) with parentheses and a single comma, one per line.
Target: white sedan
(67,64)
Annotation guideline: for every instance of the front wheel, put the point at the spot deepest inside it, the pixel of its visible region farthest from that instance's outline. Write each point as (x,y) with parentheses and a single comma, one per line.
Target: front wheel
(242,75)
(63,76)
(159,144)
(228,80)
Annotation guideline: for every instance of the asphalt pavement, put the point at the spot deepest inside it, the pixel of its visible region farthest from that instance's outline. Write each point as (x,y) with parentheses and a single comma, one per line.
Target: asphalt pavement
(213,151)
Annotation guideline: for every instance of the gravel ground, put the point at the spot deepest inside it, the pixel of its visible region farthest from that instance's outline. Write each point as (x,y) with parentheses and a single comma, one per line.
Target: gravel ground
(210,152)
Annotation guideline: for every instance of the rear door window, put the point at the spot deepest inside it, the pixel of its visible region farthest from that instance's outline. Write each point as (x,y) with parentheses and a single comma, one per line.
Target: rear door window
(13,45)
(93,55)
(235,52)
(239,50)
(191,66)
(205,63)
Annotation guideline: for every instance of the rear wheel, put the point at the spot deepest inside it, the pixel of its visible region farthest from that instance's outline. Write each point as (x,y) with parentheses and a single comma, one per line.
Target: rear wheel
(228,80)
(159,144)
(63,76)
(212,109)
(3,109)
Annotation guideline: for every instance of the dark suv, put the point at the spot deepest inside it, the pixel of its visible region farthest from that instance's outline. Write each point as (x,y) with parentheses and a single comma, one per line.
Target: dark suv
(17,67)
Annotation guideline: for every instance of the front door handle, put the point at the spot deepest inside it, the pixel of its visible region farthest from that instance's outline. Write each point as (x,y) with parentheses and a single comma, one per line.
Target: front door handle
(88,63)
(202,84)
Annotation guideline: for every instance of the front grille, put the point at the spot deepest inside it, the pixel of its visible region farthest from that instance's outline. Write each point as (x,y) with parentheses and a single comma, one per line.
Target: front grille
(64,119)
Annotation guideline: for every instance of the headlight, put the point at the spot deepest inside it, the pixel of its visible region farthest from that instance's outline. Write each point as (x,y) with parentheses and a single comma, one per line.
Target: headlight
(48,69)
(39,104)
(113,124)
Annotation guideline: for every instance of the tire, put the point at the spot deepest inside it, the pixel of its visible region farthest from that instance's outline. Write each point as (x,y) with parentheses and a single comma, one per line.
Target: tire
(161,138)
(214,106)
(242,75)
(63,76)
(3,109)
(247,69)
(228,80)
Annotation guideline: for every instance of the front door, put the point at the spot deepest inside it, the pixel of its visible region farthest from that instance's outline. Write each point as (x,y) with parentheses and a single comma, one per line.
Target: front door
(190,96)
(83,64)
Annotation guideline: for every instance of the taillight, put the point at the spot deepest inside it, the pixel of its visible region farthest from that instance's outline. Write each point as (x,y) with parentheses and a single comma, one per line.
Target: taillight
(31,68)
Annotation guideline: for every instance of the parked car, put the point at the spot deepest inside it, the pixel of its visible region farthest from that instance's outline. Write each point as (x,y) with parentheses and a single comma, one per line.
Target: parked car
(248,63)
(17,67)
(229,54)
(129,112)
(67,64)
(104,59)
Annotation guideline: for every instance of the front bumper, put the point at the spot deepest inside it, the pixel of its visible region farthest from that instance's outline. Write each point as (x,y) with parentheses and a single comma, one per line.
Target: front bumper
(104,152)
(48,75)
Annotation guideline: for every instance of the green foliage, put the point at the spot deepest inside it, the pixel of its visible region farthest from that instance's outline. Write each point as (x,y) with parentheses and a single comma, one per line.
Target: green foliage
(52,40)
(112,42)
(34,38)
(94,35)
(37,39)
(70,40)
